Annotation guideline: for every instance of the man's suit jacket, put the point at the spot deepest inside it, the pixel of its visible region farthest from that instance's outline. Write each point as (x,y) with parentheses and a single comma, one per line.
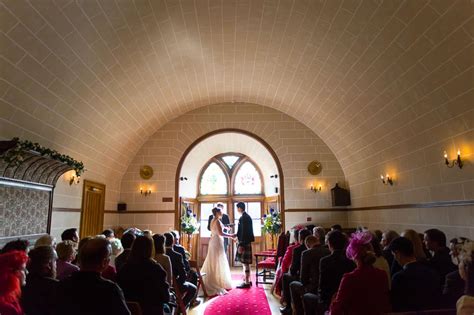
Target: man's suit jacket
(180,250)
(177,265)
(225,220)
(441,263)
(331,270)
(296,260)
(245,229)
(309,272)
(453,289)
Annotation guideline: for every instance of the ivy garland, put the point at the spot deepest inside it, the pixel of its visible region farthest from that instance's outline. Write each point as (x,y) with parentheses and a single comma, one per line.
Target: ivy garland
(15,155)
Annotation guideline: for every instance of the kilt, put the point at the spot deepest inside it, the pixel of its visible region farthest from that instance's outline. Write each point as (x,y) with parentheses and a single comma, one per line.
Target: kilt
(246,256)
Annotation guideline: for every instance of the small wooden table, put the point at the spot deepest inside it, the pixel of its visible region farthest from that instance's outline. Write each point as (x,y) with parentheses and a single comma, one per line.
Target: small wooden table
(268,264)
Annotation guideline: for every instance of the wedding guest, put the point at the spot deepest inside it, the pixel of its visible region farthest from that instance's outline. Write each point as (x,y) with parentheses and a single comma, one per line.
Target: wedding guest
(143,280)
(179,272)
(21,245)
(337,227)
(320,233)
(117,249)
(309,271)
(12,278)
(85,291)
(66,254)
(380,261)
(435,241)
(387,238)
(455,247)
(286,262)
(331,270)
(39,293)
(294,272)
(365,290)
(465,305)
(127,241)
(161,257)
(454,285)
(378,235)
(415,287)
(417,243)
(109,273)
(70,235)
(109,234)
(45,240)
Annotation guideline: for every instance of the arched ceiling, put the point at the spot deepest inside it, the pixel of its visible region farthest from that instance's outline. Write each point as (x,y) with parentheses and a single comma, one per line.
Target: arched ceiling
(96,78)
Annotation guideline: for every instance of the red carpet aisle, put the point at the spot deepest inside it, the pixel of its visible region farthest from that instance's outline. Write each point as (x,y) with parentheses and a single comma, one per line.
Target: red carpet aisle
(240,301)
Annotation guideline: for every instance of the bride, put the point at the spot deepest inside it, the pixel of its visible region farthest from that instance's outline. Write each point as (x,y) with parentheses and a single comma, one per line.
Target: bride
(216,266)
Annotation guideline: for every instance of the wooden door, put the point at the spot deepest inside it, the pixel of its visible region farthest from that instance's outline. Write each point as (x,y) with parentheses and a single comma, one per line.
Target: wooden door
(92,214)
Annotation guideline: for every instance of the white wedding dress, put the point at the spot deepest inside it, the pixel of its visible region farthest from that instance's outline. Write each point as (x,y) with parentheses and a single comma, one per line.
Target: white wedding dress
(216,265)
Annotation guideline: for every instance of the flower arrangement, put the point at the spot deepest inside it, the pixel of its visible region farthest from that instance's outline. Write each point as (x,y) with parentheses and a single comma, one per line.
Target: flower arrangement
(15,155)
(189,222)
(271,222)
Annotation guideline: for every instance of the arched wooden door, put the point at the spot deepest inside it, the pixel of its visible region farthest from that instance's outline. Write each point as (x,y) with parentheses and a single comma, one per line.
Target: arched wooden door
(92,214)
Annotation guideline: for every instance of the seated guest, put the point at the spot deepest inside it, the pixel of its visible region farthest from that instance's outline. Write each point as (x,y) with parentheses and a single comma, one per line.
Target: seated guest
(378,235)
(455,247)
(143,280)
(336,227)
(21,245)
(109,234)
(110,273)
(285,263)
(387,237)
(12,278)
(117,249)
(85,291)
(416,286)
(309,271)
(465,305)
(320,233)
(380,262)
(331,270)
(70,235)
(435,241)
(417,243)
(127,241)
(161,257)
(365,290)
(66,254)
(188,289)
(38,296)
(45,240)
(454,285)
(294,272)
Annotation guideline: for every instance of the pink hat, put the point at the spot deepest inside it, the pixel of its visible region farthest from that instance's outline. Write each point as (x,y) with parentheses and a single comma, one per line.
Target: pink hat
(357,242)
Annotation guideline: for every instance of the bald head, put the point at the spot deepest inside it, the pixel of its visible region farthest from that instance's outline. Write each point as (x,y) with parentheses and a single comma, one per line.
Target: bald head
(94,255)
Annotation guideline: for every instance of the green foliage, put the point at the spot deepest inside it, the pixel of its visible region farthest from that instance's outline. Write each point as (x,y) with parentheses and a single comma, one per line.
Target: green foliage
(271,222)
(189,223)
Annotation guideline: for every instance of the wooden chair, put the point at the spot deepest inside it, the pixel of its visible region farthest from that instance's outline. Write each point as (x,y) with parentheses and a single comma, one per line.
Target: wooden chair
(179,298)
(134,307)
(194,264)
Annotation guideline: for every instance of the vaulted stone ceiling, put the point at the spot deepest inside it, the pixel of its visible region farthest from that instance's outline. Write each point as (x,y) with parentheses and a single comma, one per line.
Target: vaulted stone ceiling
(376,80)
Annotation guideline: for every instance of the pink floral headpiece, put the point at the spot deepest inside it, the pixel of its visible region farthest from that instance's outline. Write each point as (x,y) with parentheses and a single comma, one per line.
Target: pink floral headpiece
(356,243)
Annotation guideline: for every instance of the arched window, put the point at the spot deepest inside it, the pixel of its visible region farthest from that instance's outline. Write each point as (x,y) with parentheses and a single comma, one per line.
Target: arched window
(247,180)
(213,181)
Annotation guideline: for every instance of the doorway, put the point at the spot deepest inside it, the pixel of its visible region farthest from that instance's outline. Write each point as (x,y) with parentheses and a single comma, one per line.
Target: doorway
(92,214)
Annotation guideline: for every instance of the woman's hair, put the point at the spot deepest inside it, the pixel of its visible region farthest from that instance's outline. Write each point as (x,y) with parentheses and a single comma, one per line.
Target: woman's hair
(215,211)
(467,259)
(413,236)
(376,245)
(360,248)
(41,259)
(117,247)
(159,241)
(108,233)
(311,241)
(45,240)
(15,245)
(11,264)
(65,250)
(141,249)
(390,235)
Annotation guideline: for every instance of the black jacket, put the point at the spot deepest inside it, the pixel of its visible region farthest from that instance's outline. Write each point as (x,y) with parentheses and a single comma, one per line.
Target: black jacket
(180,250)
(245,230)
(309,272)
(416,287)
(144,282)
(331,270)
(442,264)
(453,289)
(177,265)
(295,266)
(38,296)
(88,293)
(122,259)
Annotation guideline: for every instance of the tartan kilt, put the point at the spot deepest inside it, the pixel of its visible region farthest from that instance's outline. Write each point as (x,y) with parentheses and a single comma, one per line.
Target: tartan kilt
(246,256)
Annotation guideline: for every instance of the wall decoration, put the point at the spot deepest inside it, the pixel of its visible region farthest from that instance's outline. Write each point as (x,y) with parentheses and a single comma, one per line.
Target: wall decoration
(146,172)
(315,167)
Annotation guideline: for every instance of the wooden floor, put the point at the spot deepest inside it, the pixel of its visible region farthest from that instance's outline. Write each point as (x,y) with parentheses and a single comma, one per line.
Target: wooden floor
(272,300)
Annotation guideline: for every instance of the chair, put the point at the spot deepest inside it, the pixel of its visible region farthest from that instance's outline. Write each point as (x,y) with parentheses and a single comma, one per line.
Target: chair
(194,264)
(179,298)
(134,307)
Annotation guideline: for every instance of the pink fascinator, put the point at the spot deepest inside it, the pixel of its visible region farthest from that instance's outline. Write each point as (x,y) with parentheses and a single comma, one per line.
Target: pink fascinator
(356,243)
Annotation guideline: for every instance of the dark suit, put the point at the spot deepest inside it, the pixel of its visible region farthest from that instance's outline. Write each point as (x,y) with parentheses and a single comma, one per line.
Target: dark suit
(88,293)
(442,264)
(245,229)
(38,296)
(309,275)
(453,289)
(180,250)
(122,259)
(416,287)
(179,272)
(225,221)
(294,273)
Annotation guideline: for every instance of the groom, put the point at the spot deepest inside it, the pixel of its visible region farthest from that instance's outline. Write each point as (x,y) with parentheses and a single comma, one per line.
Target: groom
(244,247)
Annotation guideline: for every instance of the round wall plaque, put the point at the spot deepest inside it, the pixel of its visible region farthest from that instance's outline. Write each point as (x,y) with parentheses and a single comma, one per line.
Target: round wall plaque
(315,167)
(146,172)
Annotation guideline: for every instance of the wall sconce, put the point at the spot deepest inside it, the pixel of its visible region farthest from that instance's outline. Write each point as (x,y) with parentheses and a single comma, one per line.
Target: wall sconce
(316,190)
(387,180)
(183,178)
(457,162)
(75,179)
(146,192)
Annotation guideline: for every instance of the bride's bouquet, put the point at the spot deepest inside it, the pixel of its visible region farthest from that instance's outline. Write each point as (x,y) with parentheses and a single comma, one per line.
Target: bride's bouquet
(189,223)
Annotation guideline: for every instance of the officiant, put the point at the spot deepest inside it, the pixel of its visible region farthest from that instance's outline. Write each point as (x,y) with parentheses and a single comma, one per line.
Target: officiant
(225,221)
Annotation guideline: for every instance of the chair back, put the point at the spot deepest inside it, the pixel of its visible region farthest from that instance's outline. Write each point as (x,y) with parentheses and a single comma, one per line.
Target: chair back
(134,307)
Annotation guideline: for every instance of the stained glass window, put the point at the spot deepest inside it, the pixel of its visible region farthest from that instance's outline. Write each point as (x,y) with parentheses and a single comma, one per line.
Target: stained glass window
(247,180)
(213,181)
(230,160)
